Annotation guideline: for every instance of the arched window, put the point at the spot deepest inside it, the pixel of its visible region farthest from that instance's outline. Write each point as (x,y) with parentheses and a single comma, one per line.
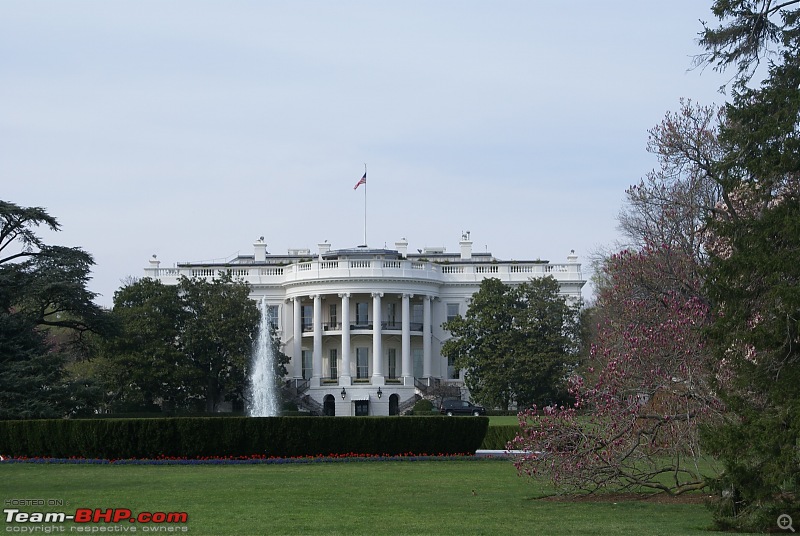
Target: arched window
(394,404)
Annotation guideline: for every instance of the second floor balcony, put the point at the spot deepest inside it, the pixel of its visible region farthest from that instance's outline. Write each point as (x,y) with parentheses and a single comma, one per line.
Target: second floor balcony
(368,325)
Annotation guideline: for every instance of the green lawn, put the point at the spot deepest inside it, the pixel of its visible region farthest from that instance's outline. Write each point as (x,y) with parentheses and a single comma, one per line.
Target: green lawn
(430,497)
(503,420)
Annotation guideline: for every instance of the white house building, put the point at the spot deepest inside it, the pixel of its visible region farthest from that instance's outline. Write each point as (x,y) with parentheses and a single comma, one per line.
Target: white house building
(362,326)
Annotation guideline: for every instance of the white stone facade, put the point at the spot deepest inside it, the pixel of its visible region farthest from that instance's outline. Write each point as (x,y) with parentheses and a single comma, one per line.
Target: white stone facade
(363,327)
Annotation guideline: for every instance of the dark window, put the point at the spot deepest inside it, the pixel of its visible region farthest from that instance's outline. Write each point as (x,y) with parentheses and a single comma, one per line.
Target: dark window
(362,362)
(362,314)
(333,367)
(362,408)
(333,317)
(452,311)
(272,316)
(306,317)
(392,362)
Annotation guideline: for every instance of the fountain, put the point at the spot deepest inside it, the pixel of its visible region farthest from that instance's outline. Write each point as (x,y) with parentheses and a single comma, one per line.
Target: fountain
(263,393)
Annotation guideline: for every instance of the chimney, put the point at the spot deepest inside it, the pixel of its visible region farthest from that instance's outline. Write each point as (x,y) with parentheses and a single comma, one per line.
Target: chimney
(324,248)
(402,247)
(572,258)
(152,271)
(260,250)
(466,247)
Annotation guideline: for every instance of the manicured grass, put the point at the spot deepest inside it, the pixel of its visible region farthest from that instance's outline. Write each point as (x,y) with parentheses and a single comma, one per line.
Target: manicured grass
(422,497)
(503,420)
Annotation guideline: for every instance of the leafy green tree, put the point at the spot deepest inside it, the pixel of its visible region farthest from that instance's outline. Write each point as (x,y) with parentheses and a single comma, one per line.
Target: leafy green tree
(517,343)
(46,312)
(218,336)
(181,346)
(144,364)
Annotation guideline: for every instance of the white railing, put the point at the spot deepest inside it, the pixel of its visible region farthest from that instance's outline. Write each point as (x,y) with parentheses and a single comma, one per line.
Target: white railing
(321,270)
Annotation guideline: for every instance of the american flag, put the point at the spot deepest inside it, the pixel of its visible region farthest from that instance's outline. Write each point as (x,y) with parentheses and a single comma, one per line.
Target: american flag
(360,182)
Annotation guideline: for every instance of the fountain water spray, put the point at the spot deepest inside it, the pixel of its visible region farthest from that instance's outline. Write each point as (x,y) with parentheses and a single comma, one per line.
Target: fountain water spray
(263,387)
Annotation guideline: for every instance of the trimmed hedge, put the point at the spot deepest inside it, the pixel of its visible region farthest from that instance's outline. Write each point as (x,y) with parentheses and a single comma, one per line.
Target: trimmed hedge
(497,437)
(240,437)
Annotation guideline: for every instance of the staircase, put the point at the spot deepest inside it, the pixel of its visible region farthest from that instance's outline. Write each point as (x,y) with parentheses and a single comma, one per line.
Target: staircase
(406,406)
(295,391)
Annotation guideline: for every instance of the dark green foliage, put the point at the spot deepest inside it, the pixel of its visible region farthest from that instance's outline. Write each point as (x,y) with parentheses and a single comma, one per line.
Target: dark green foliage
(498,437)
(754,277)
(757,337)
(240,436)
(517,344)
(31,374)
(750,31)
(46,316)
(217,338)
(144,362)
(185,346)
(423,404)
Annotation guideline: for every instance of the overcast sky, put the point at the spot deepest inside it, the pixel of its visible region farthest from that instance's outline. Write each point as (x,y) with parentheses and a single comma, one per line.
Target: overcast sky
(188,129)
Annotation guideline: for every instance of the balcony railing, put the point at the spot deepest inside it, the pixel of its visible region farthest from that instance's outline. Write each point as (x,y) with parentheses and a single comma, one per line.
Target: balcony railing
(354,269)
(385,326)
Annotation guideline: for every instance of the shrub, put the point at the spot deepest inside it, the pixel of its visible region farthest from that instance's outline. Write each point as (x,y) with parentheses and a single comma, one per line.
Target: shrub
(497,437)
(422,404)
(240,437)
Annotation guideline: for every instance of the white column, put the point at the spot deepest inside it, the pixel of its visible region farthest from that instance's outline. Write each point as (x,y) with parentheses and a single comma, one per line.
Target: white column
(297,338)
(406,366)
(344,374)
(316,371)
(426,337)
(377,346)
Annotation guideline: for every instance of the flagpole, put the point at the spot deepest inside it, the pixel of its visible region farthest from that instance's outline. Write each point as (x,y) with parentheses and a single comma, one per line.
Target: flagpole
(365,206)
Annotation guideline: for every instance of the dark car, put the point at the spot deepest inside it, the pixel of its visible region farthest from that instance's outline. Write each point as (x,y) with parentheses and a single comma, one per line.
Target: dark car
(460,407)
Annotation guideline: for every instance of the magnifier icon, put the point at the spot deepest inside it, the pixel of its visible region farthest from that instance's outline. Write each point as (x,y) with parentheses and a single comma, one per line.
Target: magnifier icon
(785,522)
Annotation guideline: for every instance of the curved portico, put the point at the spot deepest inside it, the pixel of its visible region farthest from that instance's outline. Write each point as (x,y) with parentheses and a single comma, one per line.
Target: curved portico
(365,336)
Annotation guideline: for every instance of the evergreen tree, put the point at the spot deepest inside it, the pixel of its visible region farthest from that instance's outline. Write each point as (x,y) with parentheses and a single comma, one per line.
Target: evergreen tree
(753,278)
(46,312)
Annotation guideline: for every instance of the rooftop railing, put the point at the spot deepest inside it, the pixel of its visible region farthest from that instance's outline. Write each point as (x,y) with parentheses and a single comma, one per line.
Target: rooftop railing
(375,269)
